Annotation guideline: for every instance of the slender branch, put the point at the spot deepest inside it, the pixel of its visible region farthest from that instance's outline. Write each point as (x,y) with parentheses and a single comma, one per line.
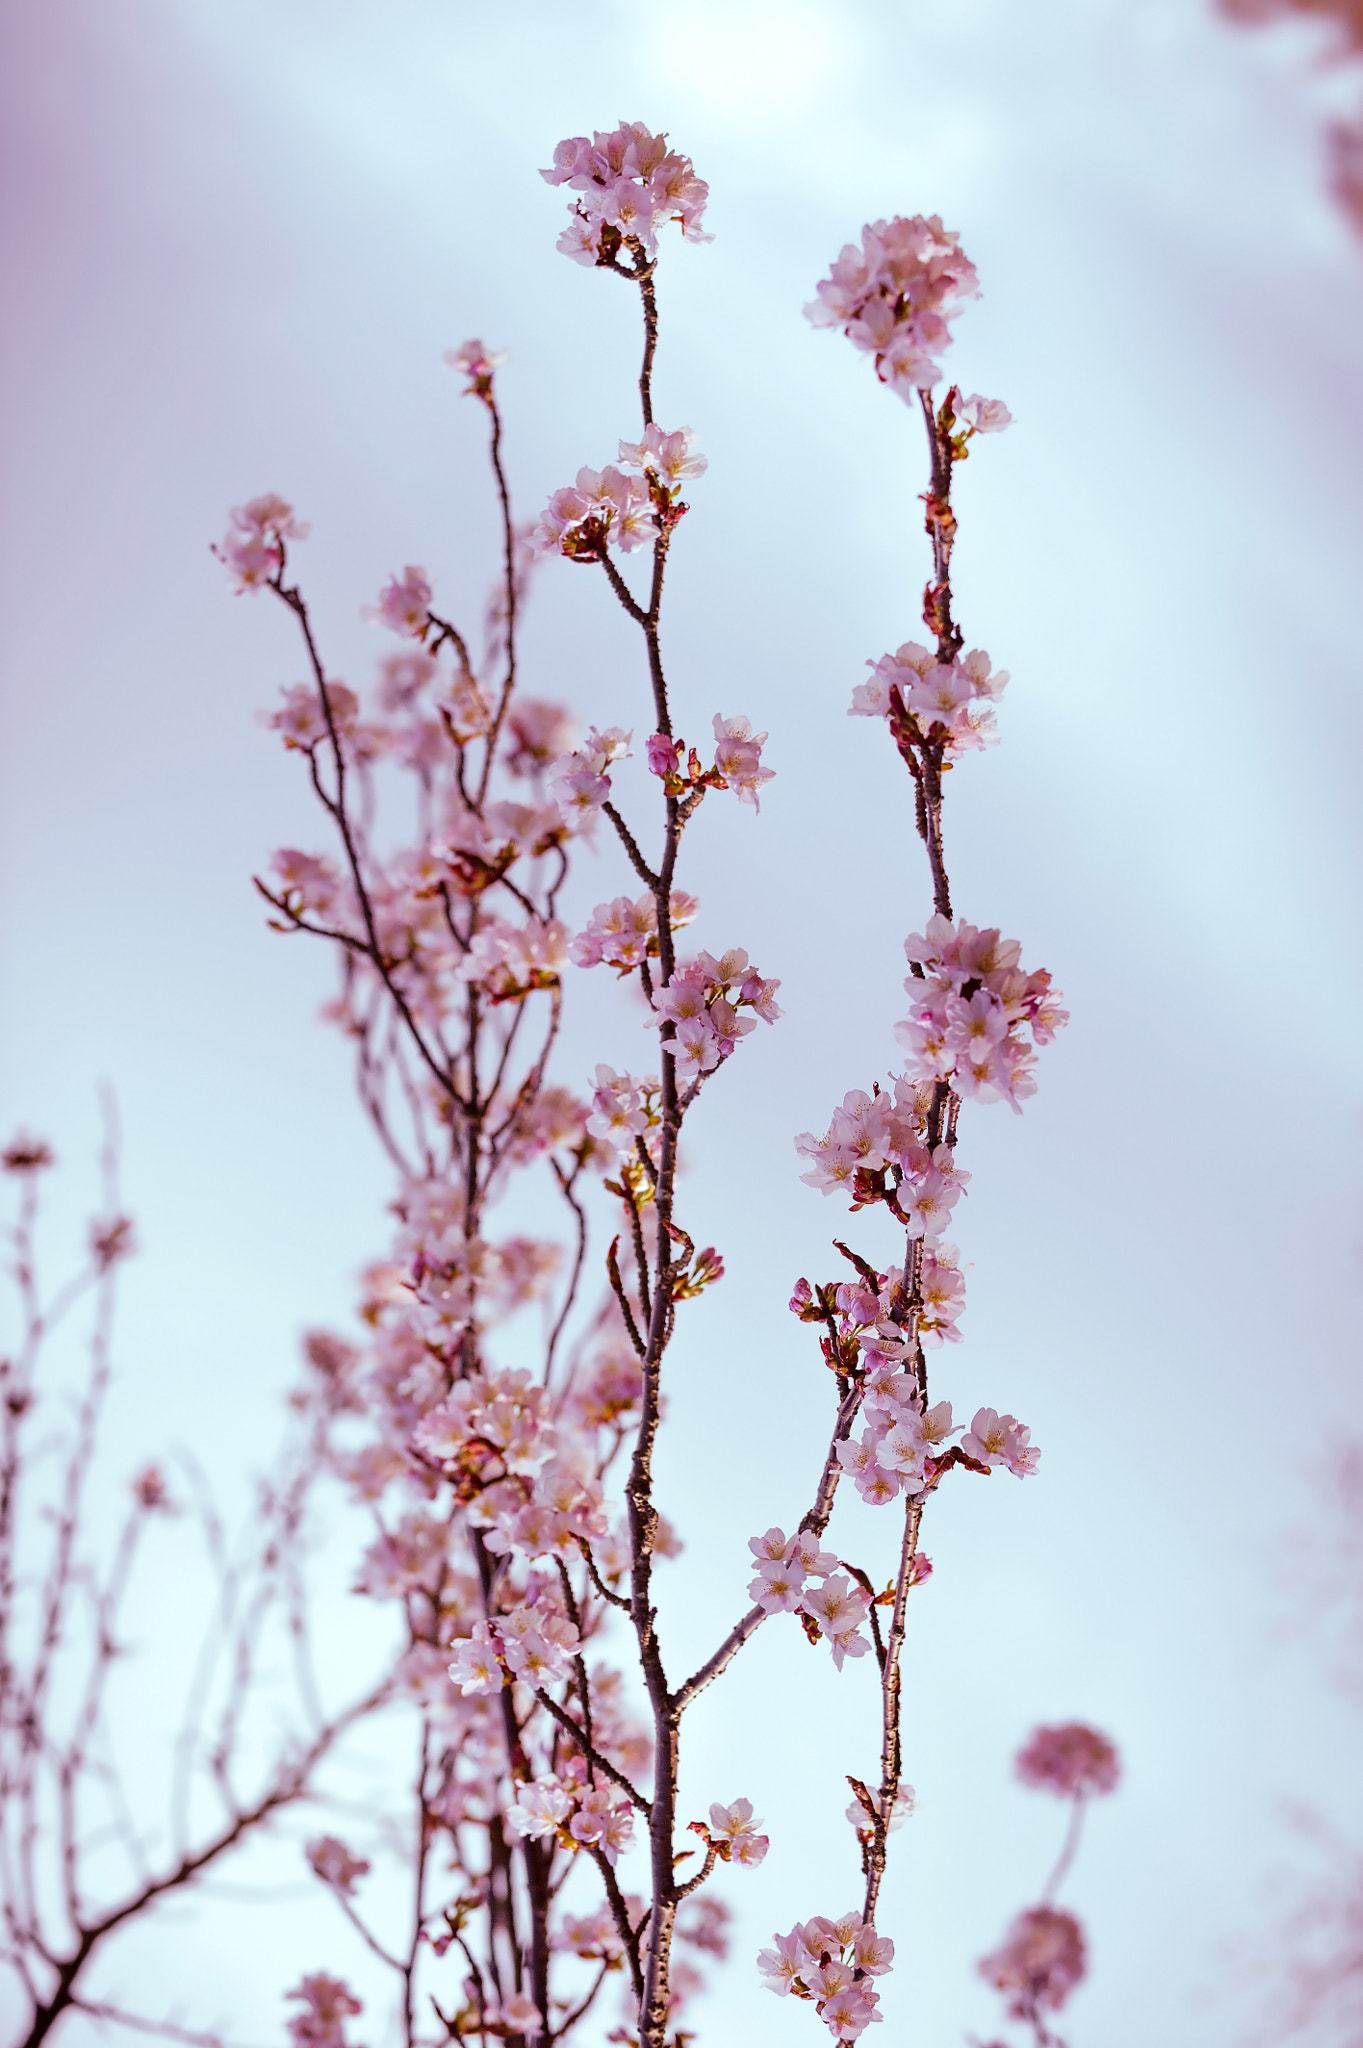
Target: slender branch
(589,1750)
(816,1520)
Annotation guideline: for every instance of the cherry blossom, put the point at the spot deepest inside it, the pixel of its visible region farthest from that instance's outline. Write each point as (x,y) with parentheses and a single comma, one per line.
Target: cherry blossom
(623,933)
(1039,1962)
(404,604)
(579,782)
(520,2015)
(477,363)
(982,415)
(831,1962)
(1001,1440)
(738,757)
(895,296)
(252,550)
(735,1831)
(904,1806)
(475,1666)
(968,1007)
(669,456)
(601,509)
(334,1864)
(1072,1760)
(952,703)
(329,2002)
(705,1000)
(626,185)
(540,733)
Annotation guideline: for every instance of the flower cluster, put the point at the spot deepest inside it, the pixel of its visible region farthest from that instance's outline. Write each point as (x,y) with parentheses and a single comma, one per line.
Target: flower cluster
(969,1003)
(608,508)
(831,1962)
(1038,1963)
(797,1577)
(328,2003)
(704,1002)
(509,961)
(580,1815)
(737,763)
(624,932)
(627,184)
(404,604)
(579,782)
(732,1834)
(1073,1761)
(876,1149)
(895,296)
(625,1108)
(952,701)
(253,548)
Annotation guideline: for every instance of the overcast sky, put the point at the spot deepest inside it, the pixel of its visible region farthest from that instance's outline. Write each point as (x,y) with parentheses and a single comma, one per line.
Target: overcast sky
(238,236)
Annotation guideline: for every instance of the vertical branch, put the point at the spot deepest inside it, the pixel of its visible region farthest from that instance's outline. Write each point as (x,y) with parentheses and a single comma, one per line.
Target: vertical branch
(890,1698)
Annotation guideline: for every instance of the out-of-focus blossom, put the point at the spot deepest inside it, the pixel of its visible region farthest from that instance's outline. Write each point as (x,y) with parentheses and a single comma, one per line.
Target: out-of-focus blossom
(334,1864)
(1038,1963)
(1072,1760)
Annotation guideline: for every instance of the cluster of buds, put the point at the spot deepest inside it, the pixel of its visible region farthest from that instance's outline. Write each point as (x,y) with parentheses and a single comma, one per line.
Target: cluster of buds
(895,296)
(969,1003)
(704,1002)
(950,704)
(831,1962)
(627,183)
(608,508)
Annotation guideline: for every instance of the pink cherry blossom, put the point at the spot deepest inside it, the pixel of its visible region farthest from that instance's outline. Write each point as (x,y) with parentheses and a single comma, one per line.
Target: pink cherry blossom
(334,1864)
(734,1825)
(520,2014)
(1072,1760)
(475,1666)
(625,183)
(579,781)
(669,456)
(253,548)
(1039,1963)
(895,296)
(982,415)
(477,363)
(540,1808)
(404,604)
(1001,1440)
(329,2002)
(738,757)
